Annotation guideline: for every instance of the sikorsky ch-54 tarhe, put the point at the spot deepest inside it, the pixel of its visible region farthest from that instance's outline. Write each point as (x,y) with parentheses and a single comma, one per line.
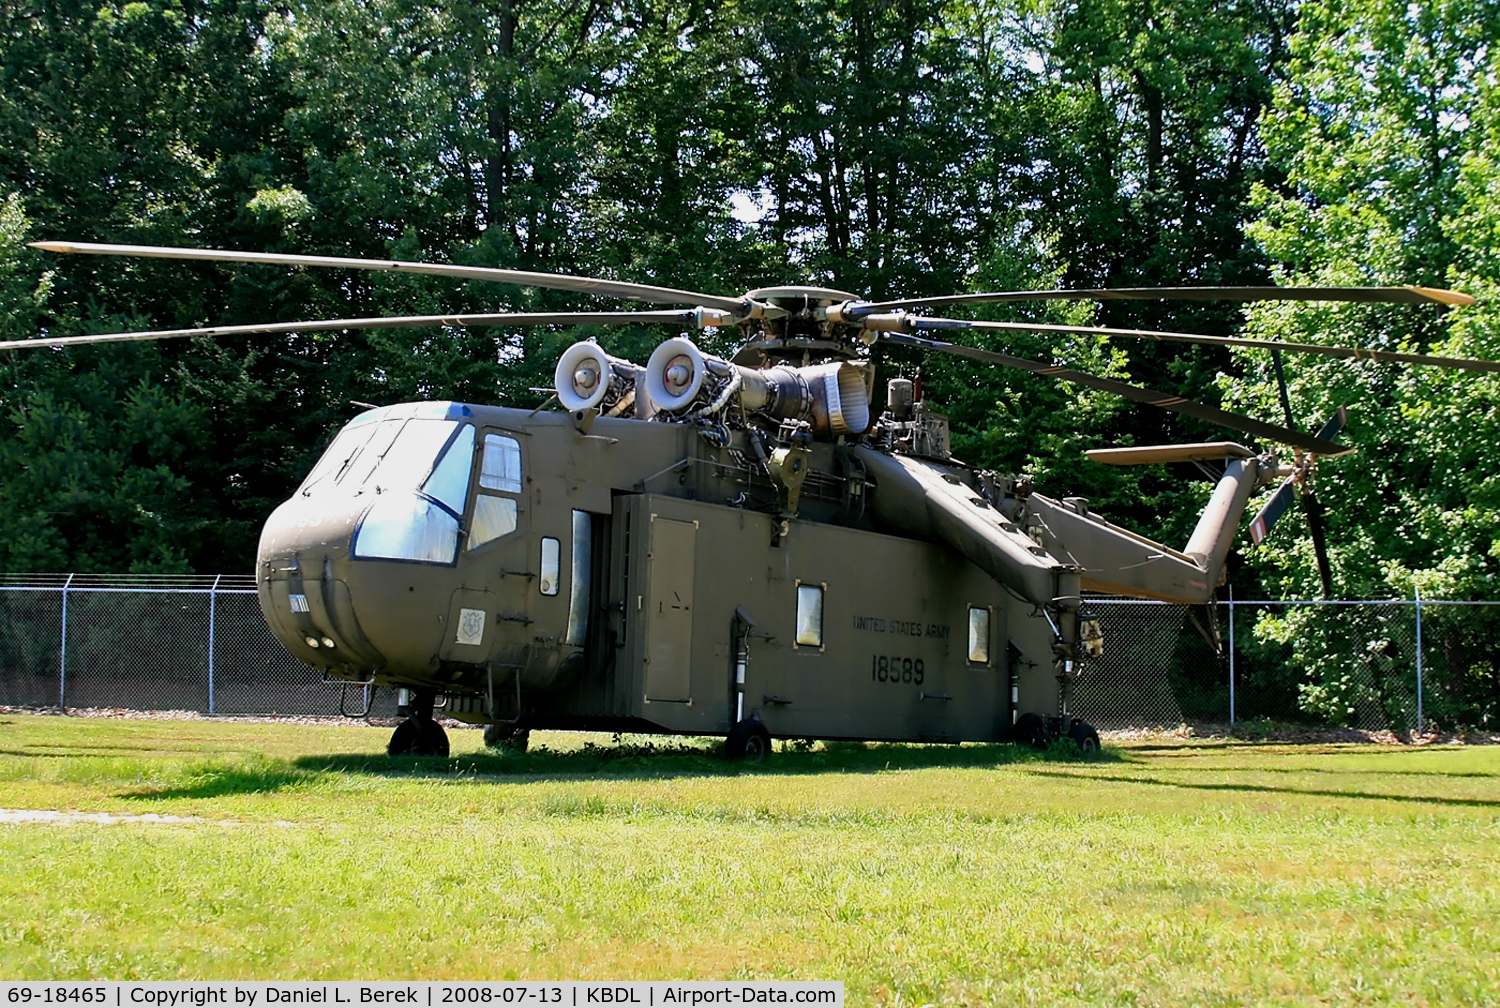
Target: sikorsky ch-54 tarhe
(746,547)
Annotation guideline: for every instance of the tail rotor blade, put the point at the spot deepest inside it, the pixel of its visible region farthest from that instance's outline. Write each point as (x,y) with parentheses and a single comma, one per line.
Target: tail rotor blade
(1318,527)
(1335,424)
(1260,525)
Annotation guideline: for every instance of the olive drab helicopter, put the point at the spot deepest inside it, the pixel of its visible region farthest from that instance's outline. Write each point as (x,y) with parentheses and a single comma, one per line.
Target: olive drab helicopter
(739,547)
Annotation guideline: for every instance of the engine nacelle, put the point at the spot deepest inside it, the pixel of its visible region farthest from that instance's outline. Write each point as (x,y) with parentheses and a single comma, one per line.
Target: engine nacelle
(588,378)
(835,397)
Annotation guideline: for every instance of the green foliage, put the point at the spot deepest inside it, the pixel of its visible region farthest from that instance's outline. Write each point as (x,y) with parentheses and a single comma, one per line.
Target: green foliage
(1379,128)
(23,296)
(918,147)
(915,148)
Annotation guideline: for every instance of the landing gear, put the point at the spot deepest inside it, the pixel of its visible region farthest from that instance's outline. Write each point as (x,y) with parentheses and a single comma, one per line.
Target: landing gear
(507,737)
(748,741)
(1039,733)
(1084,737)
(419,734)
(1031,730)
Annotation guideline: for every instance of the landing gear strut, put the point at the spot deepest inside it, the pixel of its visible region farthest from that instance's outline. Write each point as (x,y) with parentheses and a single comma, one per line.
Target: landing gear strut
(510,737)
(419,734)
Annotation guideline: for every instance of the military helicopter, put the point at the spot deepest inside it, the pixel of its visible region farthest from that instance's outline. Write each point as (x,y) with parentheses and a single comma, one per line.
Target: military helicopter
(737,547)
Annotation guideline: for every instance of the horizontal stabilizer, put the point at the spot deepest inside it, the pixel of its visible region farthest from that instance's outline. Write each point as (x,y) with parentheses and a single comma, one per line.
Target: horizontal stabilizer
(1149,454)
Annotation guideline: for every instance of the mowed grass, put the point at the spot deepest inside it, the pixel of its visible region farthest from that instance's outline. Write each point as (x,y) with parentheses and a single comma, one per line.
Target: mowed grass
(1161,873)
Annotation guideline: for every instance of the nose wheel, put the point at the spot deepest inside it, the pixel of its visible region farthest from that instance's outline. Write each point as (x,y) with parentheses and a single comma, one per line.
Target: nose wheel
(419,734)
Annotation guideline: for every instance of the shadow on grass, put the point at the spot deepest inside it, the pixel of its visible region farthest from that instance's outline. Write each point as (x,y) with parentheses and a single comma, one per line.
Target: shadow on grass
(1173,752)
(1268,789)
(226,781)
(648,761)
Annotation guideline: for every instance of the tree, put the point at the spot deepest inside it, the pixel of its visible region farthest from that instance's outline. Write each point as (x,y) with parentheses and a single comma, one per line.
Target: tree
(1380,129)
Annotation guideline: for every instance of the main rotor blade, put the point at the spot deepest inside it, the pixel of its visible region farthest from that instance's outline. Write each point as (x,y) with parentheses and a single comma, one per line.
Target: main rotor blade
(1386,295)
(399,322)
(1187,407)
(557,281)
(924,323)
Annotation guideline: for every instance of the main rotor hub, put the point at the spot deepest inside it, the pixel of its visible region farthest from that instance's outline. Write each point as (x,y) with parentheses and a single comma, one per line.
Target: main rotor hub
(801,336)
(801,299)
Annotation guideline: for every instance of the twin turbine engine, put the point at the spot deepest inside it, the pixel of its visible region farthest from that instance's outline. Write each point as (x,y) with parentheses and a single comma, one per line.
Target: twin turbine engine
(682,383)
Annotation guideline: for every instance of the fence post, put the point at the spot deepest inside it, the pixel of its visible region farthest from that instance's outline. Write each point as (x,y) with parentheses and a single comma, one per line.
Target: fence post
(213,596)
(1418,599)
(62,653)
(1231,656)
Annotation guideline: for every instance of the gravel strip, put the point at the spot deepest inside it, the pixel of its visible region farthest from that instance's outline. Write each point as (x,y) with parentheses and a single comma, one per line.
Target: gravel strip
(55,817)
(185,715)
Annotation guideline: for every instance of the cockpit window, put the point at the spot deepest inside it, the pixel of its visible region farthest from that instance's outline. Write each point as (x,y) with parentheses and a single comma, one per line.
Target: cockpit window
(499,470)
(339,456)
(409,459)
(353,475)
(493,517)
(502,464)
(394,454)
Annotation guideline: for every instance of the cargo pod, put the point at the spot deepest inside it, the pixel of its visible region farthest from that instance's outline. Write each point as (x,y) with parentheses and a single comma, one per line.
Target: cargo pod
(811,638)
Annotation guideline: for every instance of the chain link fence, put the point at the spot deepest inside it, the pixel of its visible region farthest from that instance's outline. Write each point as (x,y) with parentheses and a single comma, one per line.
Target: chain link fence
(153,642)
(198,643)
(1396,664)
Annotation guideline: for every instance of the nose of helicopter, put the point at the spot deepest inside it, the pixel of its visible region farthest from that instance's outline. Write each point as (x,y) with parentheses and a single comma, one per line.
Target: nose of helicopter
(344,563)
(302,577)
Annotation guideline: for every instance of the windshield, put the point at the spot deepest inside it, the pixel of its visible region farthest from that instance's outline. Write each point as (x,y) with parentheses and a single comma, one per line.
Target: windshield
(408,460)
(338,456)
(422,526)
(392,454)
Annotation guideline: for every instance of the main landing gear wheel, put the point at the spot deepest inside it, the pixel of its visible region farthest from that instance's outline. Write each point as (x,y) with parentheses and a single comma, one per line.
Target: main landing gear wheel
(418,737)
(1085,737)
(419,734)
(1031,730)
(507,737)
(748,741)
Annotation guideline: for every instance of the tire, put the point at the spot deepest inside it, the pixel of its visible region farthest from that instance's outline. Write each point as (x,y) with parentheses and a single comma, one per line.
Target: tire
(748,742)
(1084,737)
(418,737)
(1031,730)
(507,738)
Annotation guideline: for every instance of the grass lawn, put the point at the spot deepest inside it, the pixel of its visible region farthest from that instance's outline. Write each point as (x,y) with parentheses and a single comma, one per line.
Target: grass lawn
(1161,873)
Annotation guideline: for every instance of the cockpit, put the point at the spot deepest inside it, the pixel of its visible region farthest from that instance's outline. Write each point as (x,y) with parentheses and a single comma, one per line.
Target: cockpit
(414,466)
